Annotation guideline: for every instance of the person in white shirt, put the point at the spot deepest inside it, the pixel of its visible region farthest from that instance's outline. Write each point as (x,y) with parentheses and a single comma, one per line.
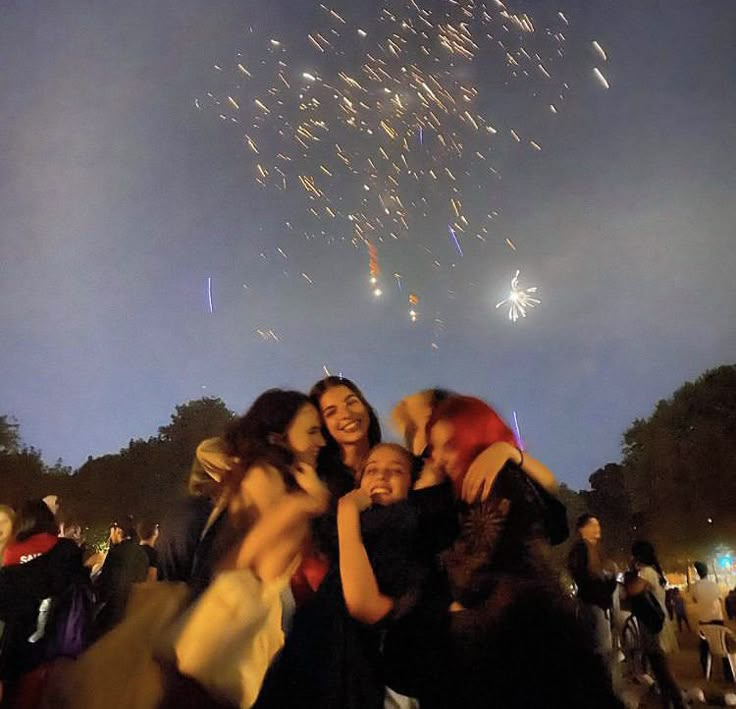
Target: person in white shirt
(709,609)
(707,597)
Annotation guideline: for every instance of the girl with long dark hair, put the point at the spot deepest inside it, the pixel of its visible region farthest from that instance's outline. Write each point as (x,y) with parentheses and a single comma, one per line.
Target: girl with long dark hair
(645,585)
(350,428)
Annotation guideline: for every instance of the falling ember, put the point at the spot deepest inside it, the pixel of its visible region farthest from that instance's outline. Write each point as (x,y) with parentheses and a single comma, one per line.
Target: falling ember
(602,79)
(374,269)
(519,299)
(600,51)
(413,302)
(511,244)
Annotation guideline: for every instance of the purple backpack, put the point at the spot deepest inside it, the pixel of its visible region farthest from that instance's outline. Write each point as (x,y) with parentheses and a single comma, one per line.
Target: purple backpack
(70,627)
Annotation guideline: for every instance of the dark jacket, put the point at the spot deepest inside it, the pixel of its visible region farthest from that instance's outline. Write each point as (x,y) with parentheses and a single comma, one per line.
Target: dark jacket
(180,536)
(126,564)
(22,589)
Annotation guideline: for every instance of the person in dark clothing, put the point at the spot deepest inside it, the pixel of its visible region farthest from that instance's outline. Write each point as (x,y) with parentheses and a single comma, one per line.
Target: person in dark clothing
(34,533)
(186,520)
(148,534)
(332,657)
(180,534)
(513,640)
(678,610)
(730,604)
(30,595)
(126,564)
(594,587)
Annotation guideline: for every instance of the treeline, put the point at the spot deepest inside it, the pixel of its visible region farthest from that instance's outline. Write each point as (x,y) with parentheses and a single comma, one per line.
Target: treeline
(140,480)
(675,483)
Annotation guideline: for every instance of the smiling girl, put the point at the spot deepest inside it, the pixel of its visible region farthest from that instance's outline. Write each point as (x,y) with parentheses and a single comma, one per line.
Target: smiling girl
(351,429)
(332,657)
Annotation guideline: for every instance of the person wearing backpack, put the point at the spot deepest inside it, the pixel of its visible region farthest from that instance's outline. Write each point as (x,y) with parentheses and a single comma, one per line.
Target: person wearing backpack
(645,590)
(36,586)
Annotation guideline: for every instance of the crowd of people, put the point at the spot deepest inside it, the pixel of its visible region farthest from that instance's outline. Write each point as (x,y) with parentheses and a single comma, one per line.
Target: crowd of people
(313,565)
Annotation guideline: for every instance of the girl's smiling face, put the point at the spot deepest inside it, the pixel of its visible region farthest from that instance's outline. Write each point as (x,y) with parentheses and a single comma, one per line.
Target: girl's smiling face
(346,417)
(387,474)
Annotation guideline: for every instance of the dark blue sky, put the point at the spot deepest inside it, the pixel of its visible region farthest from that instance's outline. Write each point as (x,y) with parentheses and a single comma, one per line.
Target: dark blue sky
(118,199)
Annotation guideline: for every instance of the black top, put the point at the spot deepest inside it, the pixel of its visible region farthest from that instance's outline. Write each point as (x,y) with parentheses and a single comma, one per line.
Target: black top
(22,588)
(126,564)
(180,536)
(152,555)
(330,660)
(593,587)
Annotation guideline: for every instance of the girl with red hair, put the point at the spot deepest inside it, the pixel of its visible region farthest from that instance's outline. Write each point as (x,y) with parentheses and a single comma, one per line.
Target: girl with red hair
(512,639)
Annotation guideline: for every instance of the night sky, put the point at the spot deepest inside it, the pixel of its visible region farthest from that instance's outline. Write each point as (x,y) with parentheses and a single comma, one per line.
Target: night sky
(122,192)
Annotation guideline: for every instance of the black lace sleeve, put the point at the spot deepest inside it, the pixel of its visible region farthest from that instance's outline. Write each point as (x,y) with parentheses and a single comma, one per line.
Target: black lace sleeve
(468,562)
(494,536)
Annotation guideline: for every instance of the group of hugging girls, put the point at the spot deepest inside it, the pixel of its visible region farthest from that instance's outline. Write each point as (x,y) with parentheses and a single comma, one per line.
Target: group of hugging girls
(420,574)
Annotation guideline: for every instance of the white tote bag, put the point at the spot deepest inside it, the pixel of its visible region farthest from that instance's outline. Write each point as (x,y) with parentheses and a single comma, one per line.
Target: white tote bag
(227,639)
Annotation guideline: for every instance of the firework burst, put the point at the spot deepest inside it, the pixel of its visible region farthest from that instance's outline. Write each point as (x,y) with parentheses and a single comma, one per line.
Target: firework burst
(519,300)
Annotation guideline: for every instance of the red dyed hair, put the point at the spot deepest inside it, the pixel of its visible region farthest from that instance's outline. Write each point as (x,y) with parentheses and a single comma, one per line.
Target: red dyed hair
(476,426)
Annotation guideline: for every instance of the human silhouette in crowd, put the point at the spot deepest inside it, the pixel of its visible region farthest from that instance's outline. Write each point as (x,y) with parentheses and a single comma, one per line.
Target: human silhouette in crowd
(7,516)
(730,603)
(126,563)
(53,502)
(71,528)
(708,609)
(34,533)
(678,610)
(148,535)
(645,590)
(595,587)
(185,521)
(39,572)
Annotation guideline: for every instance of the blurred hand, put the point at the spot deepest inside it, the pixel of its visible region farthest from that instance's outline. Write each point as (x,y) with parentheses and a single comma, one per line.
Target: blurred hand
(308,480)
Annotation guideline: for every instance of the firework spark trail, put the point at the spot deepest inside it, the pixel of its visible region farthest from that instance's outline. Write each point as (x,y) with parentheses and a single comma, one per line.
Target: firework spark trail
(517,434)
(209,294)
(602,79)
(407,83)
(455,240)
(378,129)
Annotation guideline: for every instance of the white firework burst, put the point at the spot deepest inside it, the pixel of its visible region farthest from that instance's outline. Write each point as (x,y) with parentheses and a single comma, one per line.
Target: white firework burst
(519,299)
